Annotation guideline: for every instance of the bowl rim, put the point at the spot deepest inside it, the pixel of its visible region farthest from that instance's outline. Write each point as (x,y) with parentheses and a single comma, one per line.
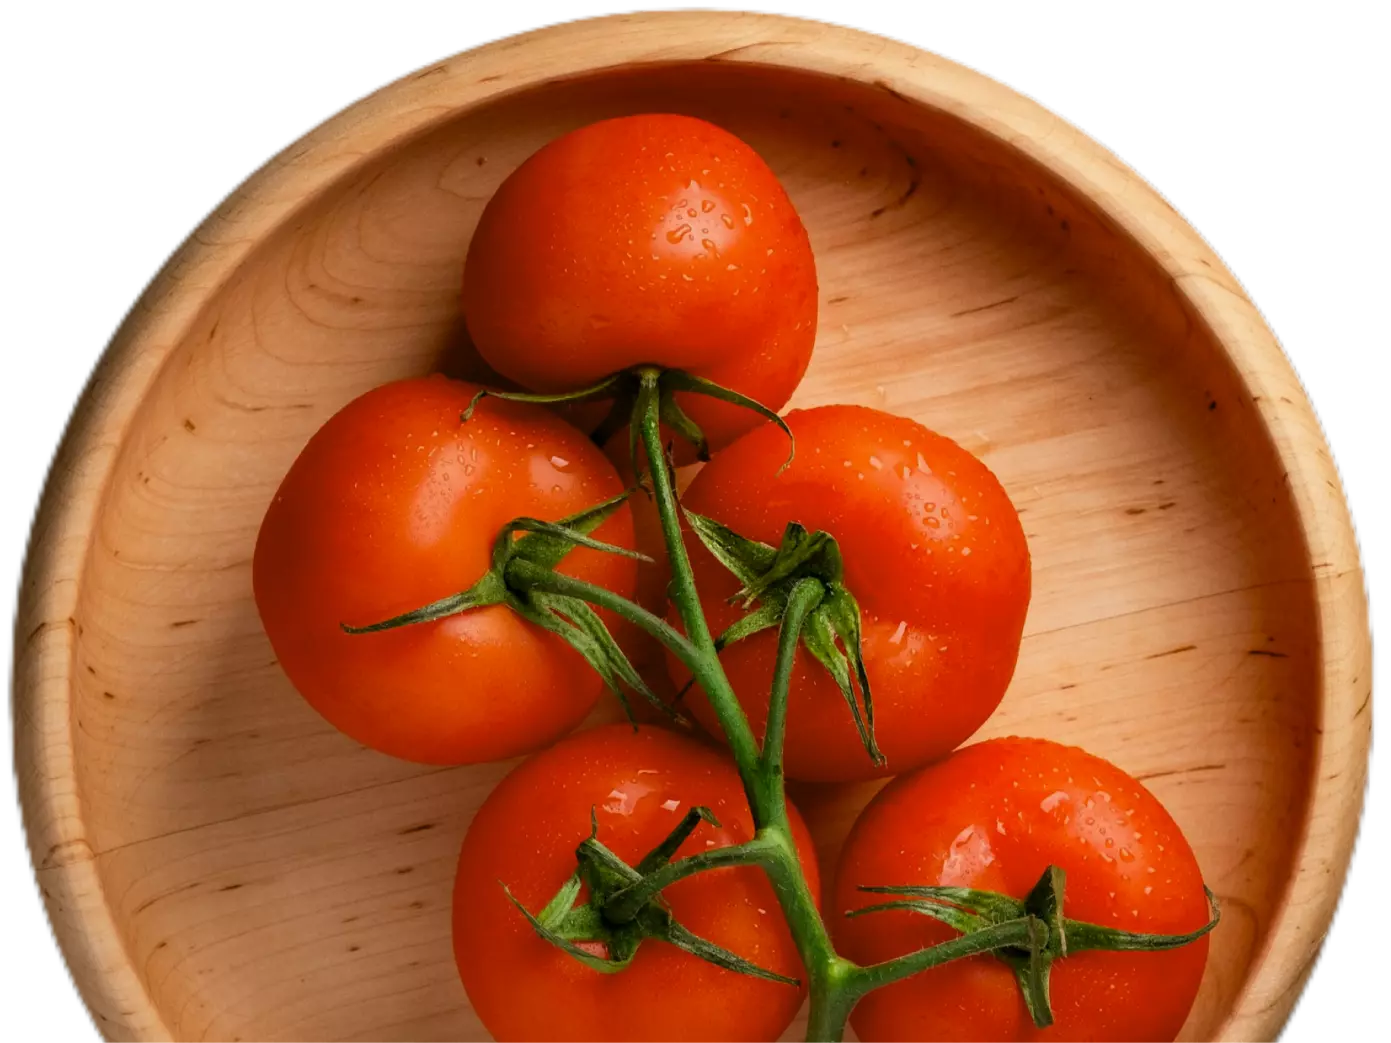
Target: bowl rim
(47,630)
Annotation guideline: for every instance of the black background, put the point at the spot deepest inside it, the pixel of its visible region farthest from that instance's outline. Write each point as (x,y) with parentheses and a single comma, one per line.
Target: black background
(1260,134)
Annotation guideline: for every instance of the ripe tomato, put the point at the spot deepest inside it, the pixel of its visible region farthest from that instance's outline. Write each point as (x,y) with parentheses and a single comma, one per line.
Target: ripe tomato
(933,552)
(993,817)
(639,785)
(394,503)
(646,239)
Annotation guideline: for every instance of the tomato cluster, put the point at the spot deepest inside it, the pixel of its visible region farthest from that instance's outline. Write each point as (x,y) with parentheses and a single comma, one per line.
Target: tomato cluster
(422,575)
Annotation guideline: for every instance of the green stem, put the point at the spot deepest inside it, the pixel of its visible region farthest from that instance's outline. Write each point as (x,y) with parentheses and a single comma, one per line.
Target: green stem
(627,903)
(710,674)
(830,1010)
(806,595)
(826,970)
(1010,933)
(836,984)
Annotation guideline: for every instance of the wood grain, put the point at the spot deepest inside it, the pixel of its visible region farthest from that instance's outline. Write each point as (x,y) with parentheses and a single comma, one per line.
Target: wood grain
(219,864)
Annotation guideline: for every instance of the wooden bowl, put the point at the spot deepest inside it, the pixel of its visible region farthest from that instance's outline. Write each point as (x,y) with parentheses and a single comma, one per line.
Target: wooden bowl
(219,863)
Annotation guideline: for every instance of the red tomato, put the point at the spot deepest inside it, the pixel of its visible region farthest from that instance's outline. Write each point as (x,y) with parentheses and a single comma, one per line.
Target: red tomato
(646,239)
(639,784)
(933,552)
(993,817)
(395,503)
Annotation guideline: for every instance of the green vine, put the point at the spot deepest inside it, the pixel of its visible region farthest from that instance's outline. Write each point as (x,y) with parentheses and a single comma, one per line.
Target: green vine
(797,587)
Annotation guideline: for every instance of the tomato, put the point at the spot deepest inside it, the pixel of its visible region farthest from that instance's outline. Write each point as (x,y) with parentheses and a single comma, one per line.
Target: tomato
(933,552)
(639,784)
(646,239)
(393,504)
(993,817)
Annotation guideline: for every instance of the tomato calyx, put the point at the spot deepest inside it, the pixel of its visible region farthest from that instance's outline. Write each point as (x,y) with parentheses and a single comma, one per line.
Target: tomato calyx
(627,390)
(624,907)
(1049,934)
(829,625)
(542,546)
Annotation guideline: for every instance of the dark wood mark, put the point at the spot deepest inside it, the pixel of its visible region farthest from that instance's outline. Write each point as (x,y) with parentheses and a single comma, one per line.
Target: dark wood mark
(1172,651)
(838,300)
(985,307)
(231,887)
(1167,504)
(1146,776)
(189,425)
(182,623)
(415,829)
(1268,652)
(1134,510)
(1363,708)
(902,200)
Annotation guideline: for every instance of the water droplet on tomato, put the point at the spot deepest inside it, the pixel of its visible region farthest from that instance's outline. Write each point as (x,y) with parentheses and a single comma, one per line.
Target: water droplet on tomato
(707,205)
(728,221)
(677,234)
(709,244)
(1125,854)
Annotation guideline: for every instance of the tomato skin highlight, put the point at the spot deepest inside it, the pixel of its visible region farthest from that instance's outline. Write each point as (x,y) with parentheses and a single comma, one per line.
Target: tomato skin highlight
(934,554)
(650,239)
(639,784)
(393,504)
(993,816)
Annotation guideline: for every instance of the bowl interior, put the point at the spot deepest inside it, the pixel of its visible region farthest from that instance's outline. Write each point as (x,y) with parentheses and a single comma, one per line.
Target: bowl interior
(272,879)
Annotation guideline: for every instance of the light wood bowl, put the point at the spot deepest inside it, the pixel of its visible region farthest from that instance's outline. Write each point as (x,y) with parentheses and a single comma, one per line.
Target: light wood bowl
(219,863)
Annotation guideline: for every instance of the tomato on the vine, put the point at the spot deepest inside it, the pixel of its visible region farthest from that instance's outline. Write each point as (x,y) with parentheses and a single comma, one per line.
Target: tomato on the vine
(395,503)
(638,784)
(933,552)
(992,817)
(651,239)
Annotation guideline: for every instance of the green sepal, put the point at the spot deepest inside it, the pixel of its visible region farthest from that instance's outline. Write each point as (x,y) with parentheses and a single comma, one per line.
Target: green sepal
(766,616)
(664,852)
(1082,937)
(747,559)
(658,922)
(545,543)
(674,417)
(609,387)
(489,590)
(819,638)
(831,632)
(1051,936)
(676,380)
(562,923)
(990,906)
(578,624)
(568,946)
